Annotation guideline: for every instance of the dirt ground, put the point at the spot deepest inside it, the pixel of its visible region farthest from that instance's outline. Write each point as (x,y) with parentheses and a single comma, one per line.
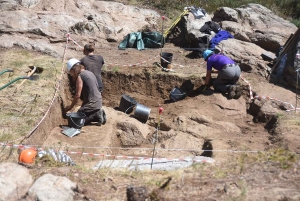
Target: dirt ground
(240,175)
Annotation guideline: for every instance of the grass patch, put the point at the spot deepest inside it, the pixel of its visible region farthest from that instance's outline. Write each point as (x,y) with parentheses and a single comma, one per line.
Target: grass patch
(296,22)
(17,64)
(115,69)
(280,115)
(22,108)
(5,137)
(49,161)
(284,157)
(133,2)
(220,173)
(290,122)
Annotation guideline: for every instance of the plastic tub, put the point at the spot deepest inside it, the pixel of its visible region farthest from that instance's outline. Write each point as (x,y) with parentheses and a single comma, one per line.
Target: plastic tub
(166,56)
(76,120)
(127,103)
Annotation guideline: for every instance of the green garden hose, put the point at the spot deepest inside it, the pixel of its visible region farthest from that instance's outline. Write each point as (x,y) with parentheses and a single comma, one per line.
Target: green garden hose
(7,70)
(14,80)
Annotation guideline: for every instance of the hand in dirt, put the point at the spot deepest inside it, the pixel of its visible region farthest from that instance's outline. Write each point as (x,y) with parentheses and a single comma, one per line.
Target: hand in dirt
(211,83)
(202,88)
(68,108)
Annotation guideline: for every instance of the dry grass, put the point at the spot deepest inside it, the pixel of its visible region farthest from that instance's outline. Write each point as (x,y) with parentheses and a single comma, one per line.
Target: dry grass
(291,120)
(198,180)
(21,109)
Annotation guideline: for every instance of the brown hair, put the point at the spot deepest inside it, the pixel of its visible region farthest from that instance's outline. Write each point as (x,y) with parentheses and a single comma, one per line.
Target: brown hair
(89,48)
(77,69)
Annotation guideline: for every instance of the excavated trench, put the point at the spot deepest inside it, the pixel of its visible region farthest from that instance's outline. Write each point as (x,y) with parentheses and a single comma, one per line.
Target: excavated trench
(152,90)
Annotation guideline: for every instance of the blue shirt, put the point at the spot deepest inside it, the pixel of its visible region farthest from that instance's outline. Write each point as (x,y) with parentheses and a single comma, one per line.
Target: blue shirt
(217,61)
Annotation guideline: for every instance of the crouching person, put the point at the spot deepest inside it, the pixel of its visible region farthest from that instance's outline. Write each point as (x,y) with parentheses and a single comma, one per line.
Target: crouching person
(228,74)
(87,86)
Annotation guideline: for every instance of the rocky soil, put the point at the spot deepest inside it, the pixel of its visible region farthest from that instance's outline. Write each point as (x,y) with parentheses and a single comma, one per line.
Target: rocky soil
(255,142)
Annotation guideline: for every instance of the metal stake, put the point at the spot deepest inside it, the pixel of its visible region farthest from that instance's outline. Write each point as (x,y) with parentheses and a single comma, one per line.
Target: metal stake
(156,136)
(162,34)
(298,68)
(296,91)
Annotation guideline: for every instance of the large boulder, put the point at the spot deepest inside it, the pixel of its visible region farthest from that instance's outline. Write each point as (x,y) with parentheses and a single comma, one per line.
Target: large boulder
(31,43)
(85,20)
(41,24)
(257,32)
(50,187)
(8,5)
(193,25)
(247,55)
(132,133)
(29,3)
(14,181)
(257,24)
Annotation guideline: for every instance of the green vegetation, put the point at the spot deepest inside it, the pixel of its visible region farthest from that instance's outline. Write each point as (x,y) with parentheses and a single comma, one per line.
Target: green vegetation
(49,161)
(284,158)
(116,69)
(220,173)
(22,108)
(288,9)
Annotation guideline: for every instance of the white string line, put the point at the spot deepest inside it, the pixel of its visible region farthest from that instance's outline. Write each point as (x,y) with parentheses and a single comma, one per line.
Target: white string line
(53,98)
(124,148)
(97,154)
(267,98)
(139,63)
(164,48)
(58,84)
(194,159)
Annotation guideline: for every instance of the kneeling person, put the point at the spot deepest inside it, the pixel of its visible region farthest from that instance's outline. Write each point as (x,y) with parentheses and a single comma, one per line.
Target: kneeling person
(87,85)
(228,73)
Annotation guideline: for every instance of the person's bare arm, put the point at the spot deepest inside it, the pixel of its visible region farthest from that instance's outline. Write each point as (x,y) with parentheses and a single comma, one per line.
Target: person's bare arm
(76,97)
(208,77)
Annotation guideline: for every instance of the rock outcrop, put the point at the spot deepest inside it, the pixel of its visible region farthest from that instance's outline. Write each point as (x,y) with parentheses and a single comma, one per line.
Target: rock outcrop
(17,184)
(43,25)
(22,23)
(256,30)
(247,55)
(15,181)
(256,24)
(50,187)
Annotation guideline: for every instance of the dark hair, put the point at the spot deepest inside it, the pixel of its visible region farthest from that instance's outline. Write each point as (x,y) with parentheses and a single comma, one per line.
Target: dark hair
(89,48)
(77,69)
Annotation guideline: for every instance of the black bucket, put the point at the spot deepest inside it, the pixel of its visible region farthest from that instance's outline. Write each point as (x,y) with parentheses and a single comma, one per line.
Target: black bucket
(127,103)
(166,59)
(177,94)
(142,112)
(76,120)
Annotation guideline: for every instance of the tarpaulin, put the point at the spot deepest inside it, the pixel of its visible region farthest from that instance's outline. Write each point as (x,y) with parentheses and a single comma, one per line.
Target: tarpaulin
(142,40)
